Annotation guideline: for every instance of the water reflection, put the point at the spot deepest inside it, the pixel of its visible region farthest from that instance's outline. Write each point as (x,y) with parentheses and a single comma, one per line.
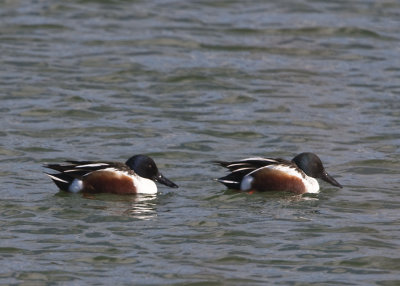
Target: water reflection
(279,196)
(141,206)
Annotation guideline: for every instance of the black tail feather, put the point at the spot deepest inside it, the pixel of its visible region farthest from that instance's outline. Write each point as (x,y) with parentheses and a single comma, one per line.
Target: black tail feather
(69,169)
(222,163)
(62,180)
(57,167)
(233,180)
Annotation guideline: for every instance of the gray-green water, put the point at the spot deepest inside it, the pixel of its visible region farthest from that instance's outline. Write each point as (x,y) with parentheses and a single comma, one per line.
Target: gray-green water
(189,82)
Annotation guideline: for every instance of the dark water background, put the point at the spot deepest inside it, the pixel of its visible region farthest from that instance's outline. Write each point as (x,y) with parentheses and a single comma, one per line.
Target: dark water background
(189,82)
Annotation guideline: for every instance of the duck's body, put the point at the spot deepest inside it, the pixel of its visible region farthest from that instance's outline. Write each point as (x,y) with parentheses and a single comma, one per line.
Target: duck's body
(268,174)
(137,175)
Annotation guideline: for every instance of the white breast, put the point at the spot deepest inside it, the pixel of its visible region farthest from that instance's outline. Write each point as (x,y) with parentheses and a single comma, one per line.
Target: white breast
(311,184)
(144,186)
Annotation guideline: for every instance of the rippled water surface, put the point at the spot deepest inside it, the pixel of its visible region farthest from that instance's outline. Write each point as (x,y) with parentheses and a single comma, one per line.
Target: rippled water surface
(188,82)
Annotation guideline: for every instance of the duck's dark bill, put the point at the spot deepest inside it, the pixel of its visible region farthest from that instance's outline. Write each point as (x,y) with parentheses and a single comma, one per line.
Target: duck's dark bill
(162,180)
(328,178)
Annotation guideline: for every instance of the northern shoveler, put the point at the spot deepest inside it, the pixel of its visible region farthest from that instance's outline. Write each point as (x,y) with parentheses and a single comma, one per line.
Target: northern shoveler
(267,174)
(137,175)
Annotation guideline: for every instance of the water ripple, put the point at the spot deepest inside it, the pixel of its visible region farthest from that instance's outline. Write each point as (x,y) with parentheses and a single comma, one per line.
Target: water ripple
(189,83)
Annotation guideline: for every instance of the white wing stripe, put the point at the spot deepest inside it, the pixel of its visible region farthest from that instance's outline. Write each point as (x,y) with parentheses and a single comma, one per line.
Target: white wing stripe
(57,179)
(72,170)
(227,181)
(237,164)
(119,172)
(92,165)
(243,169)
(259,159)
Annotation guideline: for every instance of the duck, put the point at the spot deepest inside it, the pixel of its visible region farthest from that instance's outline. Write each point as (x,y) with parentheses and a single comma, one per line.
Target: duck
(136,176)
(275,174)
